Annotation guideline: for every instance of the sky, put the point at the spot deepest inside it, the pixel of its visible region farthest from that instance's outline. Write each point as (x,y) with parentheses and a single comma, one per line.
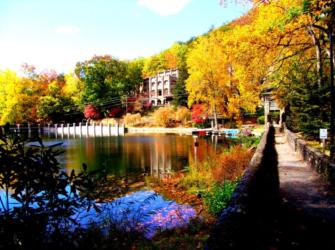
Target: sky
(56,34)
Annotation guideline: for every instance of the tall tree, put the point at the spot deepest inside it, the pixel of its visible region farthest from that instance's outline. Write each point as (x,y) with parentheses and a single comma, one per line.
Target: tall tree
(180,95)
(105,78)
(214,78)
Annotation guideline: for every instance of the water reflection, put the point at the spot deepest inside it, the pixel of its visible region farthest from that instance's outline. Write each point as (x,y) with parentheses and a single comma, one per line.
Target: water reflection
(158,155)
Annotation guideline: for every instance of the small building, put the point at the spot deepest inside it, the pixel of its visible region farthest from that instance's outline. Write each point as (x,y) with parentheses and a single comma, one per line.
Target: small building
(159,88)
(270,106)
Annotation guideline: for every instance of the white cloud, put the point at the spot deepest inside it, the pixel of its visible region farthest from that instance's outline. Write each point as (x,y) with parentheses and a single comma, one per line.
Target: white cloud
(67,30)
(164,7)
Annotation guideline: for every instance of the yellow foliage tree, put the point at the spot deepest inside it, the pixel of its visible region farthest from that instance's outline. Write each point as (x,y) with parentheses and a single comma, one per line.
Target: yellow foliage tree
(216,75)
(17,98)
(73,87)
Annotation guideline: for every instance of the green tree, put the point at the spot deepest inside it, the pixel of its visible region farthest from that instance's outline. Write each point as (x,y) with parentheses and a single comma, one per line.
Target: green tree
(54,105)
(105,79)
(180,94)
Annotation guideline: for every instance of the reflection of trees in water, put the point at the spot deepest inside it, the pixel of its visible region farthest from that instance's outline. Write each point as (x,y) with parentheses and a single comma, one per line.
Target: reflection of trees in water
(157,155)
(160,159)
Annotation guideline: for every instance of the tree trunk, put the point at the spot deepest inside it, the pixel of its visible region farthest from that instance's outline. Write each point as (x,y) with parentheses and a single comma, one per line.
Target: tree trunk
(328,54)
(215,118)
(318,53)
(332,94)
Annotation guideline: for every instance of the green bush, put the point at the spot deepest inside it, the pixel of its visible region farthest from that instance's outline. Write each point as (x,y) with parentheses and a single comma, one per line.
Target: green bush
(275,116)
(249,141)
(261,120)
(218,198)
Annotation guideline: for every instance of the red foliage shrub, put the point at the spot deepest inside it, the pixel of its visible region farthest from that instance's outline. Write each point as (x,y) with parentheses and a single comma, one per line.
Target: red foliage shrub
(115,112)
(231,165)
(198,113)
(147,105)
(91,112)
(130,108)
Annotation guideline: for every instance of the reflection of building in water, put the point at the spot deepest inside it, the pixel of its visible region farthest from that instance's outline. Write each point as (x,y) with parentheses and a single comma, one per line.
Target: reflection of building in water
(160,160)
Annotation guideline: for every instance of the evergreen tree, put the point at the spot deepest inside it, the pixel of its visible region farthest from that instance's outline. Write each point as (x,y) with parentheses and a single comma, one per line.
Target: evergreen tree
(180,96)
(179,92)
(307,103)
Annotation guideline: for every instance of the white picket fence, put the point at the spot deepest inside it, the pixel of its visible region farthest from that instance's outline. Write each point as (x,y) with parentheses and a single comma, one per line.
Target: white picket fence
(86,130)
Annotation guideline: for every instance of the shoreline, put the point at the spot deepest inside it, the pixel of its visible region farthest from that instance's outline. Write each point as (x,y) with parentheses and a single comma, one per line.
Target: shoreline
(160,130)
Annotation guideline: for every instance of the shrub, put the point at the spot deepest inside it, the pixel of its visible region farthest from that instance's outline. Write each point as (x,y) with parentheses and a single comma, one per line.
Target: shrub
(198,113)
(230,165)
(219,196)
(115,112)
(132,119)
(198,179)
(91,112)
(183,115)
(261,120)
(163,116)
(249,141)
(138,106)
(44,195)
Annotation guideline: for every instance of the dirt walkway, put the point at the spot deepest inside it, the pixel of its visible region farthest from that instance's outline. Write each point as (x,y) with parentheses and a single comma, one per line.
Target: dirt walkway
(306,218)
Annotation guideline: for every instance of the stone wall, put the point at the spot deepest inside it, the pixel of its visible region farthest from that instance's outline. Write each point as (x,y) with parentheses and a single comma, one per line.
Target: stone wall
(245,222)
(314,158)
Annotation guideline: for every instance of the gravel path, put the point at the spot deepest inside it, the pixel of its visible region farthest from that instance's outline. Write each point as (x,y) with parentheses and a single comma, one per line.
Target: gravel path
(306,218)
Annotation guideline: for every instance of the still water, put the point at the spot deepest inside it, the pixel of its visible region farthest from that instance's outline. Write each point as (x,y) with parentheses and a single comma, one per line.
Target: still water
(156,155)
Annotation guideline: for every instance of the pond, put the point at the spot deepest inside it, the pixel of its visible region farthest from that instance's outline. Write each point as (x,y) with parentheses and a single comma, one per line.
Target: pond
(157,155)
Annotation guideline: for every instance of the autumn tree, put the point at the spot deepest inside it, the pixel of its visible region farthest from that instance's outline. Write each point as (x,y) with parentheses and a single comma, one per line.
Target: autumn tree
(17,98)
(53,106)
(73,88)
(215,76)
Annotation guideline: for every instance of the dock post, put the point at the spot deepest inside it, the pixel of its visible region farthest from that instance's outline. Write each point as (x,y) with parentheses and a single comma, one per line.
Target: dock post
(29,130)
(62,130)
(94,133)
(56,130)
(80,130)
(39,129)
(74,130)
(48,129)
(68,130)
(116,129)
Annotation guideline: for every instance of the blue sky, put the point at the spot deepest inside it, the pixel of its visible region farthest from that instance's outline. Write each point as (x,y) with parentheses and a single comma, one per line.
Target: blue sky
(55,34)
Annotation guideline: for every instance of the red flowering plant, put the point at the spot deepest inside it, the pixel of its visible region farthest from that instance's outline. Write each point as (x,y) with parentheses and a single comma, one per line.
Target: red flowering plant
(147,105)
(115,112)
(91,112)
(198,114)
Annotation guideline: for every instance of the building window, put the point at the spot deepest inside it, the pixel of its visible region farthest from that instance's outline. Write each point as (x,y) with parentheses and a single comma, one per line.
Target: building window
(159,102)
(159,92)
